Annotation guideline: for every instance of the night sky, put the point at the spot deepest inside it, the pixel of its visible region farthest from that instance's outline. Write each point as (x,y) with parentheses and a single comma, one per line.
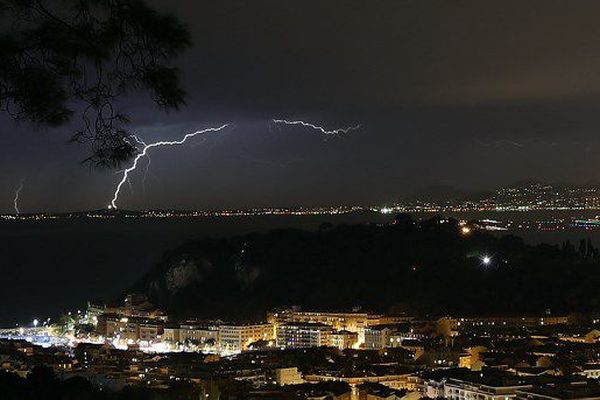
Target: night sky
(465,93)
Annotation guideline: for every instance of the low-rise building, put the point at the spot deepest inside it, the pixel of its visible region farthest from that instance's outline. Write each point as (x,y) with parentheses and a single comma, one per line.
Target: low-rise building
(287,376)
(455,389)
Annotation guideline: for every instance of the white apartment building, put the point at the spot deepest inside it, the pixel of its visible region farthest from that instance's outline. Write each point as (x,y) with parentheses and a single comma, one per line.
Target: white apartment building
(302,334)
(236,338)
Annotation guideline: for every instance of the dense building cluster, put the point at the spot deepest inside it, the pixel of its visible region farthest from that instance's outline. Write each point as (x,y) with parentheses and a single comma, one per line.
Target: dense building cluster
(304,354)
(527,197)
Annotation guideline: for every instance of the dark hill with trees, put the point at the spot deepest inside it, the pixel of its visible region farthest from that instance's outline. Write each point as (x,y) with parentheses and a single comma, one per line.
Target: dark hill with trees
(425,267)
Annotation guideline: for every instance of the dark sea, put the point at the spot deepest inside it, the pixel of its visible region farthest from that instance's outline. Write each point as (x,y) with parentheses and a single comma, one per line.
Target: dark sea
(53,266)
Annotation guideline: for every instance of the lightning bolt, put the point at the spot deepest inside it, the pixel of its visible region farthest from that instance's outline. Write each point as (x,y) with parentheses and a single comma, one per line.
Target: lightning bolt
(149,161)
(144,153)
(333,132)
(16,199)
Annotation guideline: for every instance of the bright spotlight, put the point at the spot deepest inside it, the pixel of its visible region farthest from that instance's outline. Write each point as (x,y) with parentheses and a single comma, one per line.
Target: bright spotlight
(35,323)
(486,260)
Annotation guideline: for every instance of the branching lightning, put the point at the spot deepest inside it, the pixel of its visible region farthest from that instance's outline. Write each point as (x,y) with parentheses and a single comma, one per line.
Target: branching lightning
(149,161)
(16,199)
(333,132)
(144,153)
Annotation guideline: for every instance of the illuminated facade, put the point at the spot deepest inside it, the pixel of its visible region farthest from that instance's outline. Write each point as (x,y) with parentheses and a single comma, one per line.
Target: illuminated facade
(343,339)
(129,328)
(235,338)
(198,333)
(302,334)
(349,321)
(377,337)
(288,376)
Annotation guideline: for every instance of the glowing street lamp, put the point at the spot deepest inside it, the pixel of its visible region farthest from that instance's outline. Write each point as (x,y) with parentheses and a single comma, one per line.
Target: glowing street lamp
(486,260)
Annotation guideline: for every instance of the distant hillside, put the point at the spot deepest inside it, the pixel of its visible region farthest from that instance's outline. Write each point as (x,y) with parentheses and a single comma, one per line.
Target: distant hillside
(429,267)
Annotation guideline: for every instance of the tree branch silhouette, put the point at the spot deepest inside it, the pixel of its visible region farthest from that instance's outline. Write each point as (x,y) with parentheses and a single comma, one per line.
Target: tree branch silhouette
(60,60)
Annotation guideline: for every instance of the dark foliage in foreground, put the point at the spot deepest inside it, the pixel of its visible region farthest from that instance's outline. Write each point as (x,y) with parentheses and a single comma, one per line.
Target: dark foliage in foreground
(62,58)
(427,267)
(42,384)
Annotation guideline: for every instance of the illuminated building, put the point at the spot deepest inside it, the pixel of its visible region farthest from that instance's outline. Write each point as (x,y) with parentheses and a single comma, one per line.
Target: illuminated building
(351,321)
(377,337)
(235,338)
(590,337)
(116,326)
(514,322)
(591,371)
(171,333)
(302,334)
(149,330)
(198,333)
(343,339)
(92,313)
(395,381)
(129,328)
(456,389)
(572,391)
(288,376)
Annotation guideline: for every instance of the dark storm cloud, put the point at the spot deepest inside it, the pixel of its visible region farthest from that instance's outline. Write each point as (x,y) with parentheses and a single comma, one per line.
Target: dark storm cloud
(386,54)
(469,93)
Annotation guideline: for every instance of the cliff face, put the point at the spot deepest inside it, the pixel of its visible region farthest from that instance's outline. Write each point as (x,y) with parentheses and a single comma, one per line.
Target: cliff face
(428,267)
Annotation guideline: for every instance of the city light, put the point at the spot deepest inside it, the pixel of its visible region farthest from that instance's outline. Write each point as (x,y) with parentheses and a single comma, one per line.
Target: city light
(486,260)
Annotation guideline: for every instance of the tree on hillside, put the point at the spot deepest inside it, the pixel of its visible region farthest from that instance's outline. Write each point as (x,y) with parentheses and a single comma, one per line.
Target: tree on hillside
(67,59)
